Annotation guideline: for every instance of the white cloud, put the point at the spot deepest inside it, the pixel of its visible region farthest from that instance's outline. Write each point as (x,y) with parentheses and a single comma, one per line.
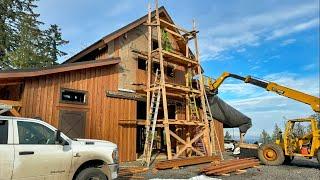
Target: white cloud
(309,67)
(287,42)
(294,28)
(254,68)
(253,29)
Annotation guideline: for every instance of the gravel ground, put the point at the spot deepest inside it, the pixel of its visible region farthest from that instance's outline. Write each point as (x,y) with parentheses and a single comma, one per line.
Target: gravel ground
(300,168)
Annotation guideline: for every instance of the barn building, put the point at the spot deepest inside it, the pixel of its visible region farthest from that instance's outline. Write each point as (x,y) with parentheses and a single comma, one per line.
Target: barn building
(99,92)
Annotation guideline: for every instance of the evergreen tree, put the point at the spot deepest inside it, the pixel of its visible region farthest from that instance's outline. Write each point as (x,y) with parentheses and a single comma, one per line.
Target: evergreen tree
(227,136)
(276,133)
(23,44)
(265,137)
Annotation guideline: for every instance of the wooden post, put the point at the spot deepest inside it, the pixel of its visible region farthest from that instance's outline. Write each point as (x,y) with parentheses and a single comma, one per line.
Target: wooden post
(241,137)
(203,102)
(163,88)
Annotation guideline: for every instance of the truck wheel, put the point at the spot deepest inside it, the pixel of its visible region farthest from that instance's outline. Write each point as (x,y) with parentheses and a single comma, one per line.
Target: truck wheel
(288,159)
(271,154)
(91,174)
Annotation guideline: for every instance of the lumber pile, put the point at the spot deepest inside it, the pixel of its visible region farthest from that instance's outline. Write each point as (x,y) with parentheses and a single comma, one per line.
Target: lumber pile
(176,163)
(236,165)
(128,173)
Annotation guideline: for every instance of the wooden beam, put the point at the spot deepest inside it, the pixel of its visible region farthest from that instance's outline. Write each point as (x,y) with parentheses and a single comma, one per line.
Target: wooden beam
(126,95)
(189,144)
(163,88)
(206,136)
(177,137)
(173,26)
(15,113)
(11,103)
(179,36)
(180,59)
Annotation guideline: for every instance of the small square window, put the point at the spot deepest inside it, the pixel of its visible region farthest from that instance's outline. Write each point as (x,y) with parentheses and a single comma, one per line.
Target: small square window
(155,66)
(155,44)
(73,96)
(170,71)
(142,64)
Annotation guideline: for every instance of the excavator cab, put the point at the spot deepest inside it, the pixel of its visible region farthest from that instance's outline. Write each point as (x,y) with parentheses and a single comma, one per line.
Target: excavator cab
(293,143)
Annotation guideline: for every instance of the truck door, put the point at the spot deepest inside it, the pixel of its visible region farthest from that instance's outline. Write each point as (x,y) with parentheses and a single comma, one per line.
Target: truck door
(36,154)
(6,150)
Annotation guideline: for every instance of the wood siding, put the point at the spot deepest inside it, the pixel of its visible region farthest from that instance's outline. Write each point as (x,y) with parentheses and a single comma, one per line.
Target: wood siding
(41,98)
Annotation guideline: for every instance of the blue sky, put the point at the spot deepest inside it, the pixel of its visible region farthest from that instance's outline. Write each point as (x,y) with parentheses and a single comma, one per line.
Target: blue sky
(271,39)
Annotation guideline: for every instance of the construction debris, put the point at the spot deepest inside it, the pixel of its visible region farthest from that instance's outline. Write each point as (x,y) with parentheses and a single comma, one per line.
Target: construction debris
(176,163)
(225,167)
(125,172)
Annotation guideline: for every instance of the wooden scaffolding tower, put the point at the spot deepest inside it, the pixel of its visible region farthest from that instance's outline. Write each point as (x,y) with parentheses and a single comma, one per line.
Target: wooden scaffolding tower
(197,119)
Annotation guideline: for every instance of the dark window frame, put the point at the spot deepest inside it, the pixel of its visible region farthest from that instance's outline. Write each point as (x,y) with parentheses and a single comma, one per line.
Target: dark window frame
(74,102)
(170,73)
(155,44)
(155,66)
(4,134)
(142,63)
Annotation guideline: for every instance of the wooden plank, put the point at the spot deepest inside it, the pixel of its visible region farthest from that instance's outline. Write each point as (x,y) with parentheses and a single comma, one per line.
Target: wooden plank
(177,137)
(180,59)
(175,34)
(233,168)
(12,103)
(206,137)
(14,112)
(172,25)
(126,95)
(188,145)
(168,164)
(163,90)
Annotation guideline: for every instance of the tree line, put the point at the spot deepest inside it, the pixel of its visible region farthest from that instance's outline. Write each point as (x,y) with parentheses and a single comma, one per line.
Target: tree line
(299,130)
(24,40)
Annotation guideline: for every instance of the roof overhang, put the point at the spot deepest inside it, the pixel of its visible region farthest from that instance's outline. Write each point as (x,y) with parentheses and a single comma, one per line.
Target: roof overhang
(14,75)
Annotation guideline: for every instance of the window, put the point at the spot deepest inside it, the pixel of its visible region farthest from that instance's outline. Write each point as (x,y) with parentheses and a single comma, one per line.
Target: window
(170,71)
(142,64)
(73,96)
(155,44)
(34,133)
(3,132)
(155,66)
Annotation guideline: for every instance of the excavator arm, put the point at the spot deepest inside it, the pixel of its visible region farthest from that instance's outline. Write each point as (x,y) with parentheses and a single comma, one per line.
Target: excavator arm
(312,101)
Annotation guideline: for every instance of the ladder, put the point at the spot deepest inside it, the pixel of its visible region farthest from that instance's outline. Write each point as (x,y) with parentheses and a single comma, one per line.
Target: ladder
(213,133)
(192,100)
(152,116)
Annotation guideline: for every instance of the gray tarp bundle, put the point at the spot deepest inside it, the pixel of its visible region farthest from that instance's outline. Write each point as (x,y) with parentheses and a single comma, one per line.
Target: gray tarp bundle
(229,116)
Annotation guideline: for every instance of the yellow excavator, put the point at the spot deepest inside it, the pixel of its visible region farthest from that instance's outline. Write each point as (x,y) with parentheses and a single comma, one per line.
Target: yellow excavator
(288,145)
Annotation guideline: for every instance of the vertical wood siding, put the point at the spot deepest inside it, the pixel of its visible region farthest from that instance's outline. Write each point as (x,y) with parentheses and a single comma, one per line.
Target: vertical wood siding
(41,98)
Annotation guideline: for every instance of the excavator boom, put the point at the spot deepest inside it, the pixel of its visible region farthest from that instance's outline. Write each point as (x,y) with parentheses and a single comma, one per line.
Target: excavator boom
(313,101)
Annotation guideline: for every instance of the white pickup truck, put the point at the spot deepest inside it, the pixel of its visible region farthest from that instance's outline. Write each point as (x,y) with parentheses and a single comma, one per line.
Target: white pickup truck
(31,149)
